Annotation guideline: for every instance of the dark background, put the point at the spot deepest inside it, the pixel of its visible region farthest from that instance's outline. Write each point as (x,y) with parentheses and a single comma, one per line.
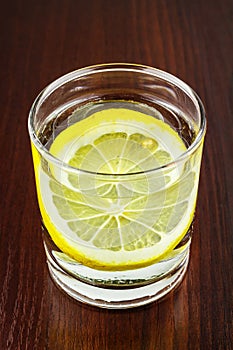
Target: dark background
(41,40)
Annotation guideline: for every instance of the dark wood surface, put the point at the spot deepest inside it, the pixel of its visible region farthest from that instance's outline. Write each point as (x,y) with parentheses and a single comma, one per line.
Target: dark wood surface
(41,40)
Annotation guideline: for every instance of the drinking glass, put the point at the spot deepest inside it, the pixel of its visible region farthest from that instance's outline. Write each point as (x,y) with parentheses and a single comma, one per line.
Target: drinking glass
(117,152)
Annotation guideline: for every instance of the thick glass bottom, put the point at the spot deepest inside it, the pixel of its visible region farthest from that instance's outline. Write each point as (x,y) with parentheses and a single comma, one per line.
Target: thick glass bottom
(116,289)
(116,298)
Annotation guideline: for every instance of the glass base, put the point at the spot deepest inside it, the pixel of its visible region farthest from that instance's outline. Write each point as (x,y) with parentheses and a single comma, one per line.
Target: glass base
(116,298)
(116,289)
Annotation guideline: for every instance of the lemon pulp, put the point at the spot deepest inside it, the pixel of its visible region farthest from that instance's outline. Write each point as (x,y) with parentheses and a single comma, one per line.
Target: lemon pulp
(116,213)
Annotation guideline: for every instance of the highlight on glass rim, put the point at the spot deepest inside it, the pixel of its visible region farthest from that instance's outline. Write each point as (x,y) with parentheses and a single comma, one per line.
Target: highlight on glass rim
(117,152)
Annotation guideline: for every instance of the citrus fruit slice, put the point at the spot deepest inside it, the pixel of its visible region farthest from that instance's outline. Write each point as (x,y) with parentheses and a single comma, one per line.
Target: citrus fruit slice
(115,212)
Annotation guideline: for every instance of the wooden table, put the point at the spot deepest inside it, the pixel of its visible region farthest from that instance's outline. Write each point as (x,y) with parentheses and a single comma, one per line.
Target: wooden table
(41,40)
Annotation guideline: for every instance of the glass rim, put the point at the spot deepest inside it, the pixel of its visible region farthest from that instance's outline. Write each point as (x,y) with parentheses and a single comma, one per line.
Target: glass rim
(105,67)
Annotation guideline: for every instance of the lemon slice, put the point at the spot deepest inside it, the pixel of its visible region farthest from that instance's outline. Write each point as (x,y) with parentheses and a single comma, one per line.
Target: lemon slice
(115,213)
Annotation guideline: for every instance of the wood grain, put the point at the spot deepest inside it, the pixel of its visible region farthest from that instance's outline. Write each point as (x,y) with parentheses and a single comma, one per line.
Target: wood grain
(42,40)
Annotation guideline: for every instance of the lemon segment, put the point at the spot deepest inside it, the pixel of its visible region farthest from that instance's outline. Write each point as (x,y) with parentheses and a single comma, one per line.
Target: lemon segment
(124,216)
